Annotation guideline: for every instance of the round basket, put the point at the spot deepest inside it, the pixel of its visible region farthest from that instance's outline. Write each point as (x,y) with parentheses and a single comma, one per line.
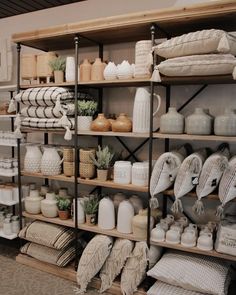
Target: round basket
(68,154)
(69,168)
(86,170)
(85,155)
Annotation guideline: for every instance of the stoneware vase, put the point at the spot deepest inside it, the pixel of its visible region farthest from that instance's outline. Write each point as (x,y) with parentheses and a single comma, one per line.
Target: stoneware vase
(84,123)
(125,216)
(70,69)
(51,161)
(49,206)
(225,124)
(33,203)
(106,214)
(110,72)
(124,70)
(172,122)
(122,124)
(198,123)
(97,70)
(33,157)
(101,123)
(85,71)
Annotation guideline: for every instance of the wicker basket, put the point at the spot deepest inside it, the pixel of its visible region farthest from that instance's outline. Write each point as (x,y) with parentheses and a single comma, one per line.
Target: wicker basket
(86,170)
(69,168)
(85,155)
(28,66)
(68,154)
(43,68)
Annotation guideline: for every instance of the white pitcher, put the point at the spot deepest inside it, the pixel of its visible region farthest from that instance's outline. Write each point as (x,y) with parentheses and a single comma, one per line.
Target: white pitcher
(141,110)
(32,161)
(51,161)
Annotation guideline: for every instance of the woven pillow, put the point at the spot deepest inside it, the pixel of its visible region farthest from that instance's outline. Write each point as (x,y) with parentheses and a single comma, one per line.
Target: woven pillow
(115,262)
(200,42)
(160,288)
(47,234)
(192,272)
(92,260)
(196,65)
(135,269)
(57,257)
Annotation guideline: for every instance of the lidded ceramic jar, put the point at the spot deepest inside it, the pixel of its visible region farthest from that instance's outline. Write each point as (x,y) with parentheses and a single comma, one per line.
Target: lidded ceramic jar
(33,202)
(140,173)
(85,71)
(101,123)
(198,123)
(122,124)
(106,214)
(97,70)
(125,216)
(110,72)
(172,122)
(225,124)
(139,224)
(33,157)
(49,206)
(51,162)
(122,172)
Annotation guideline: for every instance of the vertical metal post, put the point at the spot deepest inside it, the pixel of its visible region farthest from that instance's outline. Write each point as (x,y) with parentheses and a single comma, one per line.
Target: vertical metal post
(100,94)
(76,40)
(150,143)
(45,141)
(18,47)
(12,151)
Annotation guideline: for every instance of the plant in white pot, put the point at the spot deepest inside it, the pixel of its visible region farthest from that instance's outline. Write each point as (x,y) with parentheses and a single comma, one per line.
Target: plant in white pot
(58,66)
(102,161)
(86,110)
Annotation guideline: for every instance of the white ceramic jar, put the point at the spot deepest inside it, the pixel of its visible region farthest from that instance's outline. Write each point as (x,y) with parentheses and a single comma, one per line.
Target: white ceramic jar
(80,211)
(188,239)
(125,216)
(205,242)
(225,124)
(6,194)
(158,234)
(124,70)
(140,173)
(172,122)
(51,162)
(122,172)
(33,202)
(106,214)
(199,123)
(84,123)
(49,206)
(33,157)
(70,69)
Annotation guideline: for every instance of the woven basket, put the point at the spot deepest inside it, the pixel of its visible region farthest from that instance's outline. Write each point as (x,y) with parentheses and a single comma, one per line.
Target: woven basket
(28,66)
(68,154)
(69,168)
(85,155)
(86,170)
(43,68)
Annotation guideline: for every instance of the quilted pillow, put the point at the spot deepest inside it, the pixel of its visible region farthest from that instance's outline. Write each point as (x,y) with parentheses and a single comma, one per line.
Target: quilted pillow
(115,262)
(187,177)
(92,260)
(135,269)
(196,65)
(193,272)
(160,288)
(200,42)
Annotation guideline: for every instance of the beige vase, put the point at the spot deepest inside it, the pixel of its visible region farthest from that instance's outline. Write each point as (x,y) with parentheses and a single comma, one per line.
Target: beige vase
(122,124)
(139,224)
(97,70)
(85,71)
(58,77)
(101,123)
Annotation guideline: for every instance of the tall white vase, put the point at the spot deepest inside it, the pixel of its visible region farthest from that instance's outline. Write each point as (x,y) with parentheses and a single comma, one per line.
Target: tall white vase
(141,110)
(32,161)
(106,214)
(70,69)
(80,211)
(125,216)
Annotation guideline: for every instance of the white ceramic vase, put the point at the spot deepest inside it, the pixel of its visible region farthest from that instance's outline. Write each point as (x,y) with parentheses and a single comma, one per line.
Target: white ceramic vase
(33,157)
(110,72)
(106,214)
(225,124)
(122,172)
(199,123)
(51,162)
(124,70)
(70,69)
(33,203)
(125,216)
(142,65)
(80,211)
(140,173)
(84,123)
(172,122)
(141,110)
(49,206)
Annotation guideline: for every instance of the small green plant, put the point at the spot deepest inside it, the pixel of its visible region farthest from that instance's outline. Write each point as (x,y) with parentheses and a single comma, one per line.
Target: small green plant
(63,204)
(103,158)
(90,204)
(58,64)
(87,108)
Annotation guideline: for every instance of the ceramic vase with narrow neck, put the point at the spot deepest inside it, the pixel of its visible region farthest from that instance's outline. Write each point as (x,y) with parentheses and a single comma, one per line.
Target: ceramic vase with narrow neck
(225,124)
(199,123)
(97,70)
(122,124)
(70,69)
(101,123)
(172,122)
(85,71)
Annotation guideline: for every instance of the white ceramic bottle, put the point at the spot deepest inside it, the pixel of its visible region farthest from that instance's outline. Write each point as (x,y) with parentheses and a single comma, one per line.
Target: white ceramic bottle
(125,216)
(225,124)
(80,211)
(106,214)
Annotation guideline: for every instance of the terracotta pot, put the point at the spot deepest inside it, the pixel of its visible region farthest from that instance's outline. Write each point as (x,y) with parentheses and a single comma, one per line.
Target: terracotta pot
(85,71)
(122,124)
(101,123)
(91,219)
(63,215)
(58,77)
(102,174)
(97,70)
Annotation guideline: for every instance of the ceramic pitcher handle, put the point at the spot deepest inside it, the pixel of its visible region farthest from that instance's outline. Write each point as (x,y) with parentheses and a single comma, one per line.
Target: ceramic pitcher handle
(159,103)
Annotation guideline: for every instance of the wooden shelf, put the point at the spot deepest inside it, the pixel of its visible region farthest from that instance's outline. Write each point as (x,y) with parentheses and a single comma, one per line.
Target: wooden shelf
(8,88)
(110,133)
(60,177)
(8,237)
(187,137)
(8,174)
(69,273)
(7,116)
(7,144)
(195,250)
(111,184)
(10,203)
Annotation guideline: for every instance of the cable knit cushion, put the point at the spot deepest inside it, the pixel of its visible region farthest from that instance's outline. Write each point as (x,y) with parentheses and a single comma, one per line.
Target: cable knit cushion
(92,260)
(115,262)
(48,234)
(160,288)
(200,42)
(192,272)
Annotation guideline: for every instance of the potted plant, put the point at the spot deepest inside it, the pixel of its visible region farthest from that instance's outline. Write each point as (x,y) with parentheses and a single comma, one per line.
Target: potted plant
(63,206)
(90,206)
(86,110)
(58,66)
(102,161)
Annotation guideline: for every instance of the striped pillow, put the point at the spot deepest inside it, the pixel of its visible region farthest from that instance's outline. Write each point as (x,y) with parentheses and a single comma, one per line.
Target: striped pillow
(46,123)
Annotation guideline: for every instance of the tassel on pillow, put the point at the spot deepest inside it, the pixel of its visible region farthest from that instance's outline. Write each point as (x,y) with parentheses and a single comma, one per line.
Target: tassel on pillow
(156,75)
(223,45)
(17,124)
(12,107)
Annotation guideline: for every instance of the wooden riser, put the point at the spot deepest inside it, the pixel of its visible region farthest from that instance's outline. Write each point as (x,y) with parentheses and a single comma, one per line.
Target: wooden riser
(67,273)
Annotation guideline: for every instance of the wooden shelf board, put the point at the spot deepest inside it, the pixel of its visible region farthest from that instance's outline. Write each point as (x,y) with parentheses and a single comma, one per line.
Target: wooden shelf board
(111,184)
(10,203)
(7,144)
(60,177)
(110,133)
(195,250)
(68,273)
(8,88)
(8,175)
(8,237)
(57,220)
(7,116)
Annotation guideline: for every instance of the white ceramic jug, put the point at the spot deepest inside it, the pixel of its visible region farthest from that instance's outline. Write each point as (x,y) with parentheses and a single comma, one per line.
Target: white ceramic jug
(106,214)
(33,156)
(51,161)
(70,69)
(141,110)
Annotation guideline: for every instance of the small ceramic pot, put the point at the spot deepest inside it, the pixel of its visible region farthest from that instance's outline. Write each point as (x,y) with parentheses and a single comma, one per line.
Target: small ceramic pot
(188,239)
(158,234)
(225,124)
(205,242)
(58,77)
(33,204)
(110,72)
(101,123)
(85,155)
(198,123)
(172,122)
(85,71)
(97,70)
(102,175)
(173,236)
(124,70)
(91,219)
(122,124)
(84,123)
(63,215)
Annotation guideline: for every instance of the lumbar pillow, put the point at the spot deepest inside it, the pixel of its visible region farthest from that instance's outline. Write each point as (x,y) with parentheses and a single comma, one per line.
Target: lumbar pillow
(115,262)
(200,42)
(135,269)
(193,272)
(92,260)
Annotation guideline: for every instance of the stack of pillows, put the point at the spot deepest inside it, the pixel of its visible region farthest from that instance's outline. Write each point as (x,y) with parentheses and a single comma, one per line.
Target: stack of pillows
(201,53)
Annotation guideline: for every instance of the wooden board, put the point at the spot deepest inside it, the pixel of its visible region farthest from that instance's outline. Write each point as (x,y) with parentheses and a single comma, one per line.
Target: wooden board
(60,177)
(114,134)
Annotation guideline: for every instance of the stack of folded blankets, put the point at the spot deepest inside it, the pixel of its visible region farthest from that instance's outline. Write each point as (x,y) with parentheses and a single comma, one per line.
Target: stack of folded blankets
(49,243)
(201,53)
(46,107)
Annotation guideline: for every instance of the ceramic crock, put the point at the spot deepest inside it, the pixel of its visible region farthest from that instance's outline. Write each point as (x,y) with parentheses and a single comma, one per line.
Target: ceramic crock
(140,173)
(139,224)
(225,124)
(33,157)
(198,123)
(33,202)
(122,172)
